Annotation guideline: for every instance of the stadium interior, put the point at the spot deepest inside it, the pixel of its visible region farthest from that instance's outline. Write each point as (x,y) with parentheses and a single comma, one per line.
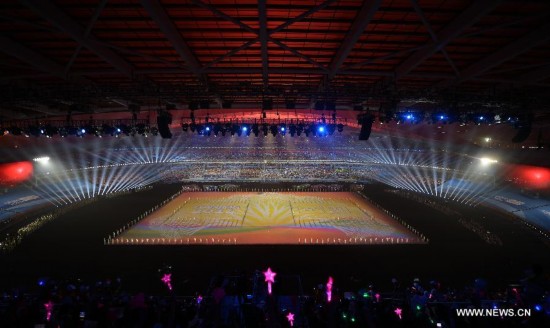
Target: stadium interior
(274,163)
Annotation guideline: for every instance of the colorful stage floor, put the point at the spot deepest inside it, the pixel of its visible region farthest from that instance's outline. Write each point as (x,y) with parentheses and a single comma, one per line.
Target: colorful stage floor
(238,218)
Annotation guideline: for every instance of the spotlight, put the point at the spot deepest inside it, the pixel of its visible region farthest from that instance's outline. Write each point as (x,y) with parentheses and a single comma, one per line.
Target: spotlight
(207,128)
(79,132)
(486,161)
(41,160)
(321,129)
(123,129)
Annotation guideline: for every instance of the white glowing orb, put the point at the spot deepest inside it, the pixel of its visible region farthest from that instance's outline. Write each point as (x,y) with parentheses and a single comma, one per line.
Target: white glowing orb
(42,160)
(487,161)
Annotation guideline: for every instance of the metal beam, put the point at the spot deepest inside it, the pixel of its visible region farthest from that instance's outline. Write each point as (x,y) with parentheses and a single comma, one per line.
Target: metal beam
(269,32)
(170,30)
(357,28)
(231,53)
(536,75)
(262,17)
(97,12)
(467,18)
(428,26)
(299,54)
(11,114)
(30,57)
(66,24)
(388,56)
(289,71)
(301,16)
(225,16)
(521,45)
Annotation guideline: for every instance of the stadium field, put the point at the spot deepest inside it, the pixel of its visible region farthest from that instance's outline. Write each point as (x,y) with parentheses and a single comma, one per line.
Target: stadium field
(239,218)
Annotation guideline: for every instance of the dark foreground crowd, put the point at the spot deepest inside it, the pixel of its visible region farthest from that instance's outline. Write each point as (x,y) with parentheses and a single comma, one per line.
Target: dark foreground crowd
(243,301)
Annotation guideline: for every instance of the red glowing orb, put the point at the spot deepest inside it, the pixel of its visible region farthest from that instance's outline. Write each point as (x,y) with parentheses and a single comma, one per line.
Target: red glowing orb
(532,176)
(15,173)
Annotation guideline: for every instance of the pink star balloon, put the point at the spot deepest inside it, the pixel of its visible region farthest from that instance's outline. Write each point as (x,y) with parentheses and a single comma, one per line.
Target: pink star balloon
(49,309)
(398,311)
(270,279)
(167,279)
(290,318)
(329,289)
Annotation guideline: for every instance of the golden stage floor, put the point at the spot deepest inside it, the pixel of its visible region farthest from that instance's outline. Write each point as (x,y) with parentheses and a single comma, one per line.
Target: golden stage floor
(268,218)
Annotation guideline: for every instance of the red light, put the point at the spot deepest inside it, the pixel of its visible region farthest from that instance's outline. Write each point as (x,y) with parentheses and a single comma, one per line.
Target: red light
(15,173)
(532,176)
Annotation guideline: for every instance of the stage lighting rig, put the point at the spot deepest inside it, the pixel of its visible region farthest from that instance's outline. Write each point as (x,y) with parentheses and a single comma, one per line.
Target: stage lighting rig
(331,128)
(300,129)
(274,129)
(307,130)
(142,129)
(283,129)
(199,128)
(292,129)
(35,131)
(50,131)
(217,128)
(320,130)
(108,130)
(123,128)
(16,131)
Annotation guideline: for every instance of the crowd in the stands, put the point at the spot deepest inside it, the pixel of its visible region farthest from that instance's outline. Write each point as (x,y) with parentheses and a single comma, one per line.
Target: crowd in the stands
(243,301)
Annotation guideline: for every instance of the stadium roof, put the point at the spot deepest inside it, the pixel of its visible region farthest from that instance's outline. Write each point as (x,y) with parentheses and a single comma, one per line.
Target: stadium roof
(108,55)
